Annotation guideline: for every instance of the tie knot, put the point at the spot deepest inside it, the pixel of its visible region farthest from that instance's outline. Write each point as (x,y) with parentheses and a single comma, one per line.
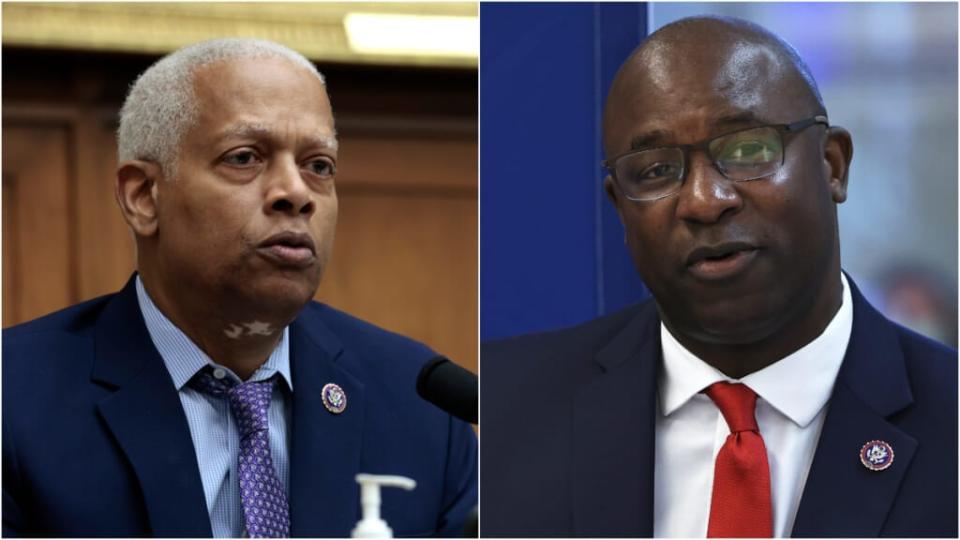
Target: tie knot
(249,401)
(737,403)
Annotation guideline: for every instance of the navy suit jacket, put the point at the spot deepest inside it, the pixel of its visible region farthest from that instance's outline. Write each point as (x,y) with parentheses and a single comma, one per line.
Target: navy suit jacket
(568,424)
(96,443)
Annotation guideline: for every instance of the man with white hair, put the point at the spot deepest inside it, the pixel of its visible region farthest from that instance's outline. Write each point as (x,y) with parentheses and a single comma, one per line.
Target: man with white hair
(211,397)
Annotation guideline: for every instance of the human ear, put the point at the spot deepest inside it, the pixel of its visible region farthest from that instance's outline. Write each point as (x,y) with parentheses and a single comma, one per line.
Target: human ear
(610,187)
(136,193)
(837,153)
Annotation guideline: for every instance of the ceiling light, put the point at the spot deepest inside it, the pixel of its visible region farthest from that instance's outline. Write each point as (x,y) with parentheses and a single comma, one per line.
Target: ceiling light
(418,35)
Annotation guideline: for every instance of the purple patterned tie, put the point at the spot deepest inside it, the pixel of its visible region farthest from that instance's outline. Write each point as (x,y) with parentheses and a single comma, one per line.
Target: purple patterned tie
(265,510)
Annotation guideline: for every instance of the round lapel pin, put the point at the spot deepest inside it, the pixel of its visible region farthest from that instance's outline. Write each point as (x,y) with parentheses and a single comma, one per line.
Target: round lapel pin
(334,398)
(876,455)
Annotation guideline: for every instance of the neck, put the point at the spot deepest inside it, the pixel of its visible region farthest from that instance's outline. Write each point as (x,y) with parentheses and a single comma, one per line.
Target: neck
(239,341)
(737,360)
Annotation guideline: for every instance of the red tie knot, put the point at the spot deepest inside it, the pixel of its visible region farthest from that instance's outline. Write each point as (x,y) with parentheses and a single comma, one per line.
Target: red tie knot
(737,403)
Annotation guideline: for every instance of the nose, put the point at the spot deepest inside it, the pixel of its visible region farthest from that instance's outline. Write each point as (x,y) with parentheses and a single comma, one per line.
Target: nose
(706,195)
(287,192)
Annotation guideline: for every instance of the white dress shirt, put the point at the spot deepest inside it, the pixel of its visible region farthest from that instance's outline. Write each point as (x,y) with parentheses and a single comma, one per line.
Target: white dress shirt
(690,430)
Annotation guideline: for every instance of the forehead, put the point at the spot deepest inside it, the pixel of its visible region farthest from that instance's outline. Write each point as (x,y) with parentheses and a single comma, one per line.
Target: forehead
(690,90)
(272,94)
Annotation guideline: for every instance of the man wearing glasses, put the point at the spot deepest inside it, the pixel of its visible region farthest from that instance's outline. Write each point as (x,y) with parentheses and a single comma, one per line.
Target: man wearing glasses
(757,394)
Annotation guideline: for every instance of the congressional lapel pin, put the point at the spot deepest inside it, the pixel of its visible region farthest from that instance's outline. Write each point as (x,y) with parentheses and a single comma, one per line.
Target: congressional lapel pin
(876,455)
(334,398)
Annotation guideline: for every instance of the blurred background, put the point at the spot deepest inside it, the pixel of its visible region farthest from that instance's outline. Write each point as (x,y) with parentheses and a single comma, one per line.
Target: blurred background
(403,82)
(552,246)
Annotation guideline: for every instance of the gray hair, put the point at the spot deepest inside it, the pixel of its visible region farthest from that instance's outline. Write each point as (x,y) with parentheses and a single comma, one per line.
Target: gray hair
(162,104)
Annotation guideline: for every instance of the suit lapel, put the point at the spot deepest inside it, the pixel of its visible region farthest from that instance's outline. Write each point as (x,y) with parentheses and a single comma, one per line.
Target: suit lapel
(146,418)
(614,415)
(841,496)
(326,447)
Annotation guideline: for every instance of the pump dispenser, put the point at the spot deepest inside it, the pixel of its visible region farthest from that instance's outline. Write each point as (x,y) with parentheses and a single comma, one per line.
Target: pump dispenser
(371,526)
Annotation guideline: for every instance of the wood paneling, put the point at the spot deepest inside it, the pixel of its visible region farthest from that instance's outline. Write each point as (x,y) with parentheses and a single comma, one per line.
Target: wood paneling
(393,165)
(10,301)
(409,266)
(405,255)
(106,253)
(37,262)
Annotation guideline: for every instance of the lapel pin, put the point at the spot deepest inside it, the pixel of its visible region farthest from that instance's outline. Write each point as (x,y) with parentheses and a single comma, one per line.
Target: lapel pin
(334,398)
(876,455)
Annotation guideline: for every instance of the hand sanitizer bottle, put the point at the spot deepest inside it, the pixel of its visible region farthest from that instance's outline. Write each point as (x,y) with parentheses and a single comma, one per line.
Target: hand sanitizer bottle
(371,526)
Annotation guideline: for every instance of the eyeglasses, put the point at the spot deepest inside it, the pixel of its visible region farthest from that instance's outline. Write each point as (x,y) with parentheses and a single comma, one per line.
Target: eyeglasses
(747,154)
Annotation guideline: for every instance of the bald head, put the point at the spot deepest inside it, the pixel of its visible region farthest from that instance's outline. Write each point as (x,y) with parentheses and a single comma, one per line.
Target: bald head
(719,56)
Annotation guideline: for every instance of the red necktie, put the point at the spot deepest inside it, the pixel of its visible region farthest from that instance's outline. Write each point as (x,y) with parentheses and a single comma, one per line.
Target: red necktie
(741,481)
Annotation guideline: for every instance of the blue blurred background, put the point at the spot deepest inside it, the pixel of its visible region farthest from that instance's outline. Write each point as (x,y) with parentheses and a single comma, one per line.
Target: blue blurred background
(552,250)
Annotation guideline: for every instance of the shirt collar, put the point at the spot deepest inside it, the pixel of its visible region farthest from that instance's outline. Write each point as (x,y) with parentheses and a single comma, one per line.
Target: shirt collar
(184,359)
(798,386)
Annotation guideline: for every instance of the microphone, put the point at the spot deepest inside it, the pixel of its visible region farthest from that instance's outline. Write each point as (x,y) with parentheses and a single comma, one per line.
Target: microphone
(449,387)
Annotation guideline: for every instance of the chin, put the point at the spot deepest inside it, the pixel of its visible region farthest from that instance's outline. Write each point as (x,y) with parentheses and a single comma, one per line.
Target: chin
(734,332)
(733,323)
(279,297)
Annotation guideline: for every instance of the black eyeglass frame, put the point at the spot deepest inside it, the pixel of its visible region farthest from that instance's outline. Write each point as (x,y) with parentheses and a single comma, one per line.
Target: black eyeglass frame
(685,149)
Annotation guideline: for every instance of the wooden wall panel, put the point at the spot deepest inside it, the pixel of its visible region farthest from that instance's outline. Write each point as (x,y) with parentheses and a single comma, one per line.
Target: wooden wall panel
(106,252)
(391,164)
(10,303)
(407,263)
(405,256)
(37,212)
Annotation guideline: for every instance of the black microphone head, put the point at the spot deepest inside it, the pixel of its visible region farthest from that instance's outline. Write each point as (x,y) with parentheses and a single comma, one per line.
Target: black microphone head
(450,387)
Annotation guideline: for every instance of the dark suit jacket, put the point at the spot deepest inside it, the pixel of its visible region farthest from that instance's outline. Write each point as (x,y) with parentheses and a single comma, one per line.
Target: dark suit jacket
(96,443)
(568,425)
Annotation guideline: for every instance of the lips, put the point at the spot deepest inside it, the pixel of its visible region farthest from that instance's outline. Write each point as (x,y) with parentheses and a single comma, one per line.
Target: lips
(721,261)
(289,248)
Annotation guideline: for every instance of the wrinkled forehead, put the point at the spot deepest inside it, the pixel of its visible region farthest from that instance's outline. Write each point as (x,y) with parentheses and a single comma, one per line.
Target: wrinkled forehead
(691,84)
(259,96)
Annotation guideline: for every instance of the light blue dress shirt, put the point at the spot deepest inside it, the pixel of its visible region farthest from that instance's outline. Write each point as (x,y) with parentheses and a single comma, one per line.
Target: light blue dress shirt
(213,429)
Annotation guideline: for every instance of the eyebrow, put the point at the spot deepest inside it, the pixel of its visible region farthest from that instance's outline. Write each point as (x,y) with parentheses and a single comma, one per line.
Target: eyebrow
(744,117)
(260,131)
(658,136)
(648,139)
